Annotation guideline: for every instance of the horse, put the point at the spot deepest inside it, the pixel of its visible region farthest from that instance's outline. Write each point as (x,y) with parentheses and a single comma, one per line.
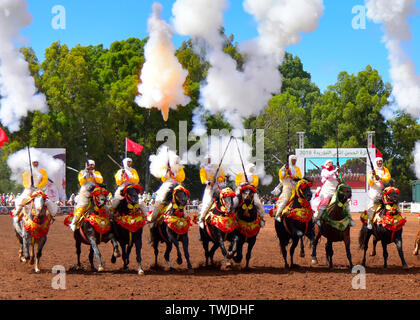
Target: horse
(249,222)
(335,224)
(172,226)
(219,226)
(417,244)
(296,220)
(128,222)
(95,228)
(33,228)
(387,226)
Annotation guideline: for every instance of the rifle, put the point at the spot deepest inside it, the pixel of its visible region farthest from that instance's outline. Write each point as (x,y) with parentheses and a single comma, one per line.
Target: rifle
(340,177)
(220,163)
(30,167)
(370,161)
(315,165)
(240,156)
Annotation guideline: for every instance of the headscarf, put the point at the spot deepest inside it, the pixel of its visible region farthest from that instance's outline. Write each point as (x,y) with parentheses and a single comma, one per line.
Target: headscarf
(376,163)
(331,168)
(126,167)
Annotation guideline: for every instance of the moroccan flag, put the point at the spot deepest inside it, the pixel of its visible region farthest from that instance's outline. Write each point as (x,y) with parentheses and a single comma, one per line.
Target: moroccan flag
(3,137)
(378,153)
(133,147)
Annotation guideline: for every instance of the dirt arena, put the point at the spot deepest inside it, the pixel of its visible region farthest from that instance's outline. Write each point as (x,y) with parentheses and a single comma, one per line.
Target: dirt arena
(266,280)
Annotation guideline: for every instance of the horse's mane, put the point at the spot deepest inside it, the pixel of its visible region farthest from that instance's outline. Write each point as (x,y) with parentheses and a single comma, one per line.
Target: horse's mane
(171,188)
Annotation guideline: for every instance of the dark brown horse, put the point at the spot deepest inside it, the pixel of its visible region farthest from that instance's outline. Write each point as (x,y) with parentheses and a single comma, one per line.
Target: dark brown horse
(296,220)
(172,226)
(128,222)
(335,224)
(95,228)
(387,227)
(219,226)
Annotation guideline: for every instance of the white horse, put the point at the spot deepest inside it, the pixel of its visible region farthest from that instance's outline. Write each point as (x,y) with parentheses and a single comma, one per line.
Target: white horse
(33,228)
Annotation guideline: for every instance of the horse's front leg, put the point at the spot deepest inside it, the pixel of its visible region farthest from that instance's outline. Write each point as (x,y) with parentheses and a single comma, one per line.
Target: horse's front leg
(167,254)
(347,245)
(116,251)
(315,240)
(233,247)
(365,242)
(295,242)
(329,252)
(302,248)
(41,244)
(95,250)
(375,241)
(221,244)
(78,252)
(186,252)
(139,245)
(251,243)
(398,243)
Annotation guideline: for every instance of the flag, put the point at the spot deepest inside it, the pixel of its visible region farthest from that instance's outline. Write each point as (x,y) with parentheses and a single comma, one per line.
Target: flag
(3,137)
(133,147)
(378,153)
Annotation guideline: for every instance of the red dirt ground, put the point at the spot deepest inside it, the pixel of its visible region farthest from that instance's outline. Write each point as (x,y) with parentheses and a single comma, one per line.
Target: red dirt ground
(266,280)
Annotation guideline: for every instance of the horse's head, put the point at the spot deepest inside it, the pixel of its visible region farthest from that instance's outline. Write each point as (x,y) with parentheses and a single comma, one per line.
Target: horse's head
(390,195)
(99,195)
(180,196)
(37,204)
(225,200)
(303,189)
(247,193)
(131,193)
(343,192)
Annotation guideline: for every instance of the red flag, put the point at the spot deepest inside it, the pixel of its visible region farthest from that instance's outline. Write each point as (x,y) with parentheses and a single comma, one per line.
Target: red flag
(133,147)
(3,137)
(378,153)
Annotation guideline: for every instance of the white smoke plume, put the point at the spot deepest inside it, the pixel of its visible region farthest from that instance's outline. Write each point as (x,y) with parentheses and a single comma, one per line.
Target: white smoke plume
(416,164)
(17,87)
(215,147)
(239,94)
(394,14)
(159,162)
(19,163)
(162,76)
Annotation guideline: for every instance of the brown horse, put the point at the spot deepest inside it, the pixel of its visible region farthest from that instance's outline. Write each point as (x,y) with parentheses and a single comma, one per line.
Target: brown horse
(335,224)
(417,244)
(296,220)
(219,226)
(387,226)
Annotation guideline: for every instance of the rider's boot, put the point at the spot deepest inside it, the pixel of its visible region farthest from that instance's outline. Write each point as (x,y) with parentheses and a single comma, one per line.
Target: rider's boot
(78,213)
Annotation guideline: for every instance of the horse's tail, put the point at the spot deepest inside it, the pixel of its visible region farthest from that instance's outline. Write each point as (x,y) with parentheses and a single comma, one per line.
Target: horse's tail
(362,236)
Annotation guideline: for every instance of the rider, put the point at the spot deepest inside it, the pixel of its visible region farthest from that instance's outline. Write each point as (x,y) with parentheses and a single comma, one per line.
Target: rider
(329,176)
(40,179)
(123,177)
(174,174)
(254,181)
(87,179)
(376,180)
(207,172)
(288,174)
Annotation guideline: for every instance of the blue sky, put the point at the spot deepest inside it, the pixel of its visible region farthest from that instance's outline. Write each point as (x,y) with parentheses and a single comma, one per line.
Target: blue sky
(335,46)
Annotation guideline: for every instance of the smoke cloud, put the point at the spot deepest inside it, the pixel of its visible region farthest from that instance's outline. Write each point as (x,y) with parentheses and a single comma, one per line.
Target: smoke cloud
(159,162)
(162,76)
(238,94)
(17,87)
(19,163)
(394,16)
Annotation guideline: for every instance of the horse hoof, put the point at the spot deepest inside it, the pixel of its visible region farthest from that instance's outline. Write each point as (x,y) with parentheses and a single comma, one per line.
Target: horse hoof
(179,261)
(37,270)
(314,261)
(140,272)
(302,255)
(405,267)
(415,252)
(373,254)
(100,269)
(117,254)
(22,259)
(191,271)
